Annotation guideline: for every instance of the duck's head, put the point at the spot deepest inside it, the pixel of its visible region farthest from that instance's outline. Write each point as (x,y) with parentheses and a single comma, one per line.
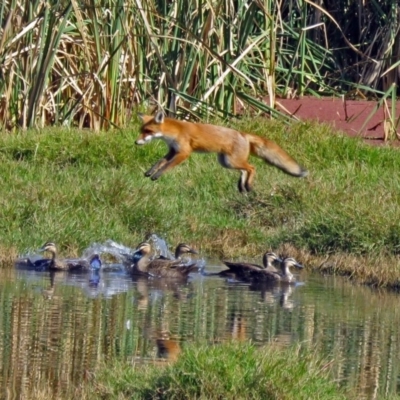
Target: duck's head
(50,247)
(270,258)
(291,262)
(143,248)
(183,248)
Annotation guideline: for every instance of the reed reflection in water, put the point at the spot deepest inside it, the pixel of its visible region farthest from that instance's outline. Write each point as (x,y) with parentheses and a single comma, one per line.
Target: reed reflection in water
(57,328)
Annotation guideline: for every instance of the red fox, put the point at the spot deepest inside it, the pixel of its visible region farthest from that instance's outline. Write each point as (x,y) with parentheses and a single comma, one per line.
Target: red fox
(233,147)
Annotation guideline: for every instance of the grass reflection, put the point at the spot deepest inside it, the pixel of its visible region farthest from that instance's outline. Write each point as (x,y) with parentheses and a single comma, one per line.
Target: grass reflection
(60,339)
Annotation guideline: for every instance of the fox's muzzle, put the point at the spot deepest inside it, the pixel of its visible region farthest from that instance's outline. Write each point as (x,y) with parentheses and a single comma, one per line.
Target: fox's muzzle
(143,140)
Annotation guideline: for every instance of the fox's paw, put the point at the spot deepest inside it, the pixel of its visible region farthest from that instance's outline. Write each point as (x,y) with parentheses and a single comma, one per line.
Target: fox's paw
(244,188)
(303,173)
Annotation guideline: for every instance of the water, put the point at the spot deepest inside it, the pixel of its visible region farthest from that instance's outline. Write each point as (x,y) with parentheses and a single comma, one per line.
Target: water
(58,327)
(119,251)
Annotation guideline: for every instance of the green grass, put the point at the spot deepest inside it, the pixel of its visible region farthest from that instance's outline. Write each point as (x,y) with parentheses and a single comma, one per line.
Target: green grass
(75,187)
(228,371)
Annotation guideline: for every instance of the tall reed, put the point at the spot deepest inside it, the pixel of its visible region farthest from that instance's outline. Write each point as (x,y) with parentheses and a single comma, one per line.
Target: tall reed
(89,63)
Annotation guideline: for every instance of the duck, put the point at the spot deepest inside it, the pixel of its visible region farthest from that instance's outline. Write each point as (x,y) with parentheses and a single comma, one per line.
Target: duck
(181,249)
(39,264)
(33,262)
(70,264)
(159,267)
(244,270)
(283,276)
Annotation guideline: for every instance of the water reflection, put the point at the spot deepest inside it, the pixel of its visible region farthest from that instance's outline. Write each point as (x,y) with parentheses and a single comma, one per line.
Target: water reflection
(57,327)
(168,349)
(275,294)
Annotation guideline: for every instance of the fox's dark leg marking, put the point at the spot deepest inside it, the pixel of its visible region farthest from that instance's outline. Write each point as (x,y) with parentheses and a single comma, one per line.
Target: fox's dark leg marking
(170,163)
(160,163)
(246,171)
(243,184)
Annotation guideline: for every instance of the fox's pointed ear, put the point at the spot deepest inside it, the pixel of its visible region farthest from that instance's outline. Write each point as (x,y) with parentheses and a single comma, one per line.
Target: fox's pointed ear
(159,118)
(144,118)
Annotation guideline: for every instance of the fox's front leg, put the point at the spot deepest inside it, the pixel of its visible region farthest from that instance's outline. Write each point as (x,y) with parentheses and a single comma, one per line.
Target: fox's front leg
(160,163)
(175,160)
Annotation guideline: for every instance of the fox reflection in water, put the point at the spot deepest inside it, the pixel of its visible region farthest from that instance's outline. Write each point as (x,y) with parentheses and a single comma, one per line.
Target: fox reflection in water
(237,326)
(167,348)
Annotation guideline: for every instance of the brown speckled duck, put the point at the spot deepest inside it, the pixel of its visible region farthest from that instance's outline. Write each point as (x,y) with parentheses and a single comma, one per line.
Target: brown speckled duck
(71,264)
(244,270)
(160,267)
(181,249)
(283,276)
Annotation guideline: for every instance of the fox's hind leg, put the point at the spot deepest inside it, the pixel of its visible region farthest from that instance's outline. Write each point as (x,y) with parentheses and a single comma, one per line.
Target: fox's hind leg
(247,171)
(245,183)
(246,179)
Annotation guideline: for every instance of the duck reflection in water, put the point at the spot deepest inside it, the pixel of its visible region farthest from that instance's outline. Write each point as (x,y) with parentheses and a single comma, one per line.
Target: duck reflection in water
(88,282)
(48,293)
(143,264)
(273,294)
(149,290)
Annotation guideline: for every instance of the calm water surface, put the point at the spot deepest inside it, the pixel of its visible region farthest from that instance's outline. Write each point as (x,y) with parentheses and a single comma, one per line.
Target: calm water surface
(60,327)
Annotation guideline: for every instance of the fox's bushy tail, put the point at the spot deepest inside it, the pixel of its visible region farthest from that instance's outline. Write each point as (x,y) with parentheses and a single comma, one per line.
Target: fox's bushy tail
(271,153)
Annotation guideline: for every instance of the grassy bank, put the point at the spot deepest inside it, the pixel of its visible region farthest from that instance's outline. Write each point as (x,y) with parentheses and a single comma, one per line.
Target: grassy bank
(248,373)
(77,187)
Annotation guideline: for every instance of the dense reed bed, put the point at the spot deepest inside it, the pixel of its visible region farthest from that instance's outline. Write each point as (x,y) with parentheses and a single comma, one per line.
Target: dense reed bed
(88,63)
